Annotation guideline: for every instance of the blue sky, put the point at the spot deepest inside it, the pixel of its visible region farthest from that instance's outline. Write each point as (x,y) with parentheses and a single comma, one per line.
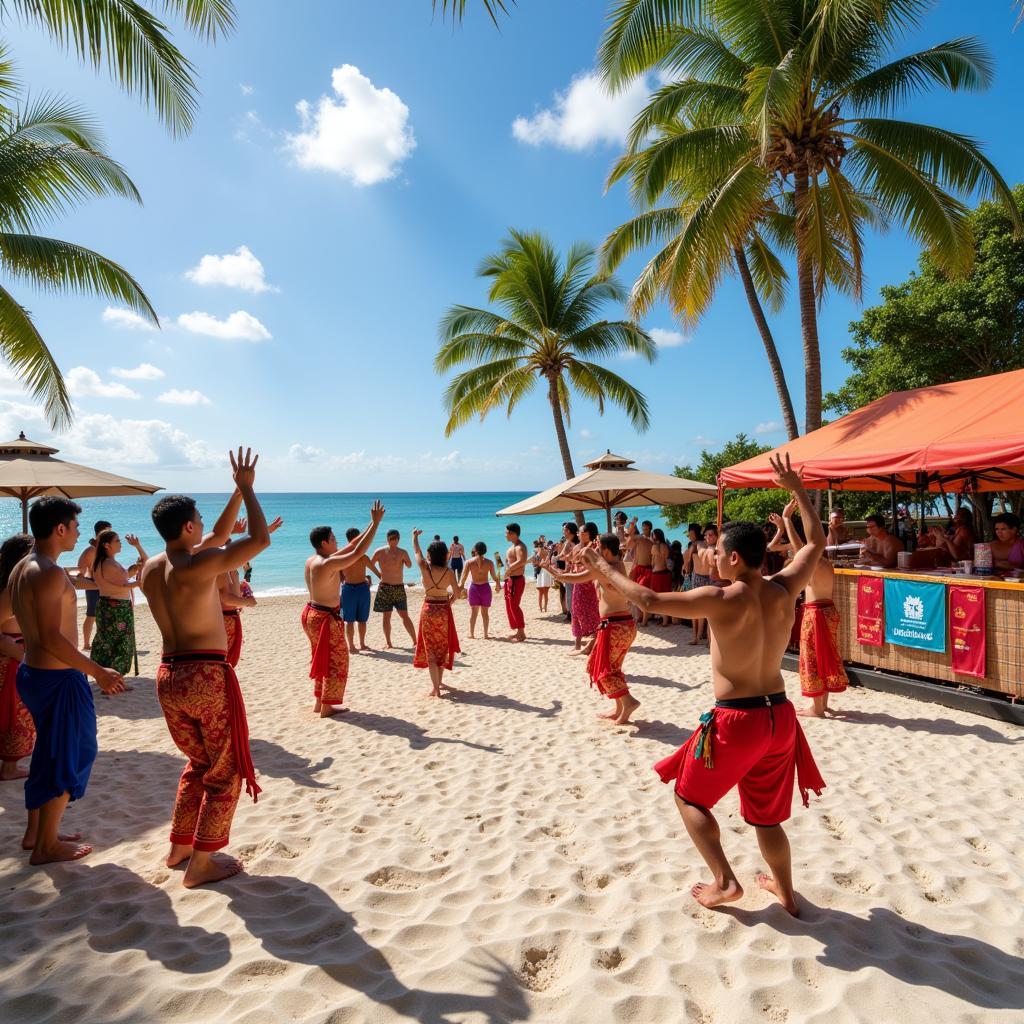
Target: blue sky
(363,158)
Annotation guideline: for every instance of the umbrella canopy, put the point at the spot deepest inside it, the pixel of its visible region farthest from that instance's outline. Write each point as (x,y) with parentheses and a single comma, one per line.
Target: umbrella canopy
(968,433)
(611,483)
(28,470)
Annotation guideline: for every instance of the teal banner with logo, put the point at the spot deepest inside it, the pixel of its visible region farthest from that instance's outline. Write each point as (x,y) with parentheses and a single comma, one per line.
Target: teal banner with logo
(915,614)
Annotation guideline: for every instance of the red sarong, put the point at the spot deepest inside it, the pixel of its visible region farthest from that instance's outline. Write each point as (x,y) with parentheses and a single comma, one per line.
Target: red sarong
(17,730)
(514,587)
(661,581)
(641,574)
(821,667)
(436,636)
(205,714)
(757,749)
(233,629)
(328,666)
(614,637)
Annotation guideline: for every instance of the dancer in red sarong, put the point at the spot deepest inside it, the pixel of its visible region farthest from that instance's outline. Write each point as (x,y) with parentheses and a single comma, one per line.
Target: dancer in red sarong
(616,630)
(17,733)
(321,617)
(584,603)
(751,737)
(197,688)
(515,582)
(437,642)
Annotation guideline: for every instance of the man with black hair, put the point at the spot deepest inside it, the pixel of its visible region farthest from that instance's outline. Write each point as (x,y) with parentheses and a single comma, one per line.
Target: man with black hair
(51,680)
(92,593)
(880,548)
(515,582)
(355,595)
(321,618)
(391,561)
(751,737)
(640,543)
(196,686)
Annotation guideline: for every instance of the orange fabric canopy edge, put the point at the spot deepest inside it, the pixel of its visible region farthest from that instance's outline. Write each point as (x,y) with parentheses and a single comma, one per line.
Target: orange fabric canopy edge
(950,436)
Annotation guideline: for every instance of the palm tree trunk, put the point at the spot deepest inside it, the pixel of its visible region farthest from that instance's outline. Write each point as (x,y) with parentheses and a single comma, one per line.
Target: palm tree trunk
(778,375)
(563,441)
(808,306)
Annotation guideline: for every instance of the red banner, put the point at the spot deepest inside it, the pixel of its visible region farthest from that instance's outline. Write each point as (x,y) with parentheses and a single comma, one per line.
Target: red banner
(870,611)
(967,630)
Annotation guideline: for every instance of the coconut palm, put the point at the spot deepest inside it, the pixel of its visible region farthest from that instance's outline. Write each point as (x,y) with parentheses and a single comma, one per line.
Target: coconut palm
(133,42)
(458,8)
(806,89)
(51,158)
(546,332)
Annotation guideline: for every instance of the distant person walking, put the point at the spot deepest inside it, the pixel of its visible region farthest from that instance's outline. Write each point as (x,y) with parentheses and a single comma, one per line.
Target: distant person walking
(456,556)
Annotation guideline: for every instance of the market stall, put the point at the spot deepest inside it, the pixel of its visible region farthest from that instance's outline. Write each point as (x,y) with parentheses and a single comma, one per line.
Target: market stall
(946,625)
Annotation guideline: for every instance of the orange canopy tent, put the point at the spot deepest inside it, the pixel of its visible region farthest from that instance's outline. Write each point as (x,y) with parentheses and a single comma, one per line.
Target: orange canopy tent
(968,435)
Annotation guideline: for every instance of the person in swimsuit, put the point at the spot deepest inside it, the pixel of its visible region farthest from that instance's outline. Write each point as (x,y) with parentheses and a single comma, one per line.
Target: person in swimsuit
(114,644)
(355,595)
(85,560)
(456,554)
(479,569)
(390,563)
(751,738)
(515,582)
(703,571)
(437,642)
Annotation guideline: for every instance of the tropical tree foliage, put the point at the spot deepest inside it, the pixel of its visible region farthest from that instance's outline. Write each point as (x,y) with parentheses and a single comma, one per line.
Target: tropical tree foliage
(51,159)
(546,331)
(457,8)
(134,43)
(799,96)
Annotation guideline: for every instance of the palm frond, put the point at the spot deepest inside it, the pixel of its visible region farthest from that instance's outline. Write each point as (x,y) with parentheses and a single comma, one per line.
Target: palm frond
(767,270)
(638,233)
(637,36)
(457,8)
(709,101)
(616,390)
(614,338)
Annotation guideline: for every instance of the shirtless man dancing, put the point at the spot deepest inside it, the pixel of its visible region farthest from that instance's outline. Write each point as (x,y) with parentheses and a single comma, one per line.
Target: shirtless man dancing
(355,595)
(751,738)
(390,563)
(641,544)
(517,558)
(197,688)
(321,618)
(51,681)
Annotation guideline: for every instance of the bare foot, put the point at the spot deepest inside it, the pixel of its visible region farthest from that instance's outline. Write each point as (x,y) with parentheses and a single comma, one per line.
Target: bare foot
(432,693)
(769,884)
(60,852)
(12,773)
(179,852)
(694,643)
(610,715)
(28,841)
(365,647)
(332,709)
(316,708)
(577,652)
(629,705)
(390,646)
(213,871)
(708,894)
(810,712)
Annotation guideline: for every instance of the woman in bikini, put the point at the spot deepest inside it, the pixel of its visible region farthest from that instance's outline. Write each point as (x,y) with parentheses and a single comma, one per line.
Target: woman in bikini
(437,643)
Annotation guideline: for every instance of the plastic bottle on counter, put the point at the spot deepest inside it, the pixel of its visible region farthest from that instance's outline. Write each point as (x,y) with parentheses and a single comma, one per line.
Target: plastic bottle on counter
(983,565)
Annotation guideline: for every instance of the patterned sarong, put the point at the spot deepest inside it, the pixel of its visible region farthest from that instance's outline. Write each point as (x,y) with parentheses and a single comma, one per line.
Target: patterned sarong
(615,635)
(205,714)
(233,629)
(821,667)
(17,733)
(114,642)
(436,637)
(328,667)
(641,574)
(586,609)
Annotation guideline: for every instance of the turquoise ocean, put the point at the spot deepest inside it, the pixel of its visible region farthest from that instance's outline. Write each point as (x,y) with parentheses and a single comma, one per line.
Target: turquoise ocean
(468,515)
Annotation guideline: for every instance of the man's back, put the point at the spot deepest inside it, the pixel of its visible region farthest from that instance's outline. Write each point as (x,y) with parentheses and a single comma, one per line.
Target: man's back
(36,585)
(186,605)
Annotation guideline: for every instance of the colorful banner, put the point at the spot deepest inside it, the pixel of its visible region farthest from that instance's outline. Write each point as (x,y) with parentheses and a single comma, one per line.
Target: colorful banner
(967,630)
(870,606)
(915,614)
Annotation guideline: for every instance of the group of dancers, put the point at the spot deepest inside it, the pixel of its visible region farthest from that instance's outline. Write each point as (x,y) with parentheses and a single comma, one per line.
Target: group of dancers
(750,739)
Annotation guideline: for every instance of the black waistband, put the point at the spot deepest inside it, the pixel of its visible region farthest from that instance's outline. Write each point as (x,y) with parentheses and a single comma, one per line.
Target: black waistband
(183,657)
(749,703)
(334,610)
(234,612)
(437,601)
(624,617)
(116,600)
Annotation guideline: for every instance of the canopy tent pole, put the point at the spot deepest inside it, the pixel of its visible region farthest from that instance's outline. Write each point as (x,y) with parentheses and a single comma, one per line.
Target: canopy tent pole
(24,512)
(892,495)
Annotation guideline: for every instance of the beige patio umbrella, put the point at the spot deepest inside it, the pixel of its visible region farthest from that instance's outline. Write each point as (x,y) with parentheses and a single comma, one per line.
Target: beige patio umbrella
(28,470)
(610,483)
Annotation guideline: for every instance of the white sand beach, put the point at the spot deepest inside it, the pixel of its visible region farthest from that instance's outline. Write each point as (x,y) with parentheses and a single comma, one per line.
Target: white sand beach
(503,856)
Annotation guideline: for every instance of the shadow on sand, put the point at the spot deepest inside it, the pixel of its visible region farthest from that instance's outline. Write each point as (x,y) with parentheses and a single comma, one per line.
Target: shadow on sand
(937,726)
(502,702)
(388,725)
(137,704)
(964,967)
(299,922)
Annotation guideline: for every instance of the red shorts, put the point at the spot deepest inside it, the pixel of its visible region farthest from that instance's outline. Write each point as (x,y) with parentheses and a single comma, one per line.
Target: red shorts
(756,749)
(641,574)
(661,582)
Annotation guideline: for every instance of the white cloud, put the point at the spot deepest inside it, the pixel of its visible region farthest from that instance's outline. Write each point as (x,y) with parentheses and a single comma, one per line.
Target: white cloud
(239,326)
(584,115)
(363,137)
(238,269)
(586,434)
(667,339)
(85,383)
(305,453)
(127,319)
(420,465)
(144,371)
(178,397)
(767,428)
(245,89)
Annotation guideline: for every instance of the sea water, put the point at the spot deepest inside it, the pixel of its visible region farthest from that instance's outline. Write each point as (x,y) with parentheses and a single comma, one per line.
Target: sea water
(279,570)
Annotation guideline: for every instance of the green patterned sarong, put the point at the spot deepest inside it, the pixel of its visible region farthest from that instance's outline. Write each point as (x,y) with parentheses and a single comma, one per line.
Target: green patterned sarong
(114,642)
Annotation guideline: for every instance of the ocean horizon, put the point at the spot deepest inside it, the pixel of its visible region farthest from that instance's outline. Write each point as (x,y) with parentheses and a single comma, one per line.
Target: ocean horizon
(278,571)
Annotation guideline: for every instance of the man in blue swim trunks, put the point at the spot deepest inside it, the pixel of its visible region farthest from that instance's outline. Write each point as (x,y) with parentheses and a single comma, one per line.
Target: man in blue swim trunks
(51,681)
(355,595)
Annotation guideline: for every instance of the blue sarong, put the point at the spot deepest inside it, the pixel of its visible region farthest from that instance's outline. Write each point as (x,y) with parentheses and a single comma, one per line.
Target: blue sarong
(61,705)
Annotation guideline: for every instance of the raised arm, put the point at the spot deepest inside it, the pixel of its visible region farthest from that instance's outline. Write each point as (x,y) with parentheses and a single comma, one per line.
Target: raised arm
(795,576)
(421,562)
(778,542)
(227,521)
(357,548)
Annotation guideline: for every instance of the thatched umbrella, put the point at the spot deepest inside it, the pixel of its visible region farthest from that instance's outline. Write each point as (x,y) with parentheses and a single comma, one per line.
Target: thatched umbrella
(28,470)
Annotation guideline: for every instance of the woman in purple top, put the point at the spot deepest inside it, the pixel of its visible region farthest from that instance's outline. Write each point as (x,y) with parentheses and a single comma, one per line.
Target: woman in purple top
(1008,547)
(478,569)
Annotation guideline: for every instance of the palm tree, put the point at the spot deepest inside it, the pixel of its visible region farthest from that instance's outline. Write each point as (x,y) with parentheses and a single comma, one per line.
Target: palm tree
(51,158)
(134,43)
(546,331)
(458,8)
(812,86)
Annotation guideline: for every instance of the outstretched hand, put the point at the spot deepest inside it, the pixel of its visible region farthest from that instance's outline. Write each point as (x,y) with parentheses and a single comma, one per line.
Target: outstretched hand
(591,558)
(110,681)
(240,526)
(377,513)
(775,519)
(790,509)
(416,534)
(784,473)
(132,539)
(275,525)
(243,467)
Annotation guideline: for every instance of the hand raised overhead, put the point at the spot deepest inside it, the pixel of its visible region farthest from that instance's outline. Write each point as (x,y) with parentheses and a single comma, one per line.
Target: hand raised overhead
(275,525)
(243,467)
(416,534)
(241,525)
(376,512)
(784,474)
